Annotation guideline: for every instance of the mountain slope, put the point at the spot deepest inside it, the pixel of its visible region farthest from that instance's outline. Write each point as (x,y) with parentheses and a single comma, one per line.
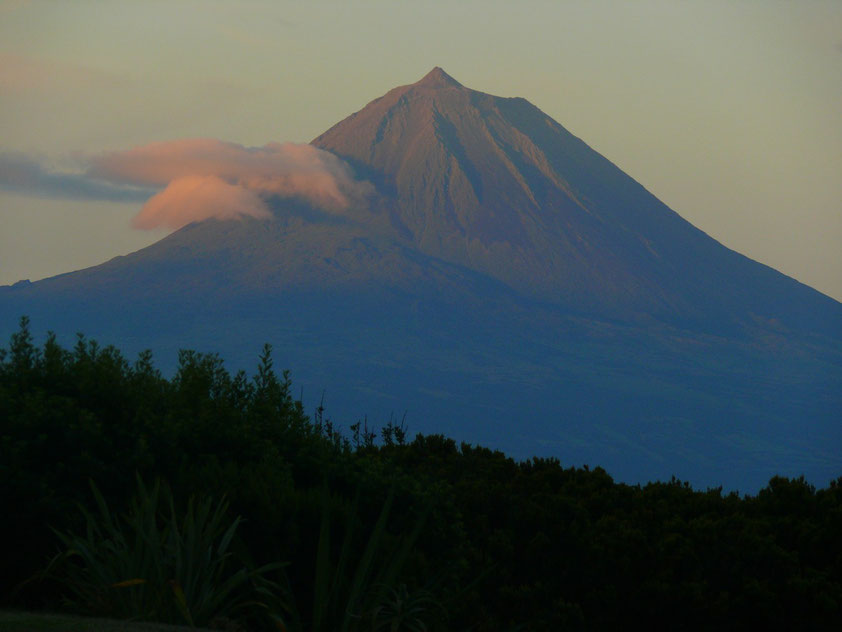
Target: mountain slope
(495,184)
(505,284)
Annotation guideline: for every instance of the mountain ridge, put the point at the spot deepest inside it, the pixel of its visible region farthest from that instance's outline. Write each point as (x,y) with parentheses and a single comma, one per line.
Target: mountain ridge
(496,185)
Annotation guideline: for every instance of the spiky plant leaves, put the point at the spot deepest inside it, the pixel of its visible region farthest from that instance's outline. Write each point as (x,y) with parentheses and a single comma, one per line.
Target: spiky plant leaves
(402,610)
(359,585)
(110,570)
(322,581)
(347,587)
(279,602)
(181,602)
(157,564)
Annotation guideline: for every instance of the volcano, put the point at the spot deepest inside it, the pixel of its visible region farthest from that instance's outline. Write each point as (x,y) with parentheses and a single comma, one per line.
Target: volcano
(504,284)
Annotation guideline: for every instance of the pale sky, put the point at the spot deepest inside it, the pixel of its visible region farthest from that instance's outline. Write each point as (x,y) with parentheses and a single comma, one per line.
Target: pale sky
(730,112)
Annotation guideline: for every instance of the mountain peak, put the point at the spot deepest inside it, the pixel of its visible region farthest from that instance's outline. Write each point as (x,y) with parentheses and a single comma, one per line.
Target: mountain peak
(438,78)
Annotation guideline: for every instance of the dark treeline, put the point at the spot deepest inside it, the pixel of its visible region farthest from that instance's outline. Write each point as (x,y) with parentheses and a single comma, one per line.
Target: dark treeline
(407,531)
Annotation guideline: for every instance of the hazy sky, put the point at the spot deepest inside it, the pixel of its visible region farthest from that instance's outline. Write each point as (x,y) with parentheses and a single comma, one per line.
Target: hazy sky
(730,112)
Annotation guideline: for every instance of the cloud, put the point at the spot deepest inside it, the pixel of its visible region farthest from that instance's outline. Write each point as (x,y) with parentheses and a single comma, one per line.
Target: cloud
(243,178)
(20,173)
(191,180)
(194,198)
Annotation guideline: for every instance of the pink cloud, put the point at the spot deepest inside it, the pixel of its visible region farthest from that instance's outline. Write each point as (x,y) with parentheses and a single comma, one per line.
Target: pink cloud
(195,198)
(251,175)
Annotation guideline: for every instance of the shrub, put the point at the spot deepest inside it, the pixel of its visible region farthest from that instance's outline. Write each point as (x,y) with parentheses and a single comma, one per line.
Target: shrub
(154,564)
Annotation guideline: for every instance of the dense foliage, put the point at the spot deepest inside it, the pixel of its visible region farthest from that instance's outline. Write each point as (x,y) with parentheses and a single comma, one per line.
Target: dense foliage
(356,531)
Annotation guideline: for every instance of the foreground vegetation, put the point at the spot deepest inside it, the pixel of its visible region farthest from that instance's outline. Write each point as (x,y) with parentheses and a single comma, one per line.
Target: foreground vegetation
(212,499)
(14,621)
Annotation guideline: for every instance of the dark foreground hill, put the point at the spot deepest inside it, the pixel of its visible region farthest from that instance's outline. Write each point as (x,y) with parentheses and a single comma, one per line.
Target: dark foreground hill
(504,284)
